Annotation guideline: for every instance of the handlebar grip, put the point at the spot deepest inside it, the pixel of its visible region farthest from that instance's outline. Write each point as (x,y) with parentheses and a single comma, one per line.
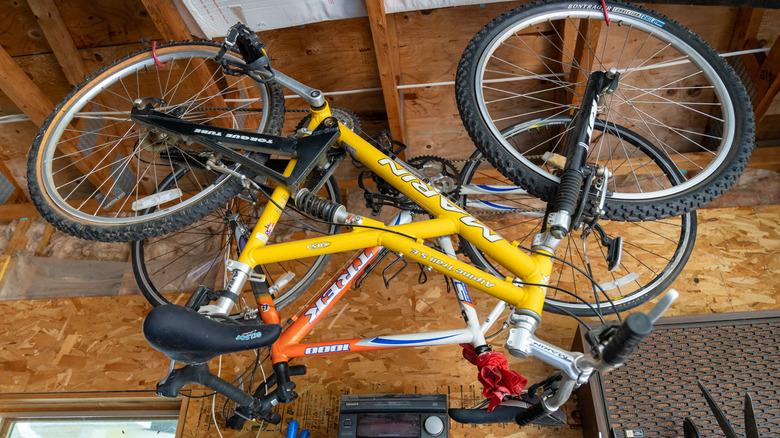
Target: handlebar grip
(533,413)
(628,336)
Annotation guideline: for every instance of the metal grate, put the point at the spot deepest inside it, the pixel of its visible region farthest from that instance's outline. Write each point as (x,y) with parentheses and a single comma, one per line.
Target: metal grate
(657,388)
(6,189)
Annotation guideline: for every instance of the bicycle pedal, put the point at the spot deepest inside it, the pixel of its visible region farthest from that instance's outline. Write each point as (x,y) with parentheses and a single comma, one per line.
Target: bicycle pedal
(257,278)
(614,253)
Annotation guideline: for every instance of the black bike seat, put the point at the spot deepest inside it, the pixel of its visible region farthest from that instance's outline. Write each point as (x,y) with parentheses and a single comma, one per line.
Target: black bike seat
(189,337)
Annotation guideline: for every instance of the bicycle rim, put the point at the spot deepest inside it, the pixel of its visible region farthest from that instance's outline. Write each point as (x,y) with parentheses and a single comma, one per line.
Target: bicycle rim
(673,90)
(96,168)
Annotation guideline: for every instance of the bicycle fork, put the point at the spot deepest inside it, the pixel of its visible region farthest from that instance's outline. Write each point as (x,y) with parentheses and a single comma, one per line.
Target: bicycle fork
(576,145)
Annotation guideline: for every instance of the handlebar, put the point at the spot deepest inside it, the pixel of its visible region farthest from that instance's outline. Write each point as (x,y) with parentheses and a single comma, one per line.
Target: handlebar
(628,336)
(528,416)
(614,348)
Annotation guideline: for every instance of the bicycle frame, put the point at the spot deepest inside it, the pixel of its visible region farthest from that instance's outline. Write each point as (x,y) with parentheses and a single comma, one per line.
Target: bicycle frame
(525,292)
(448,219)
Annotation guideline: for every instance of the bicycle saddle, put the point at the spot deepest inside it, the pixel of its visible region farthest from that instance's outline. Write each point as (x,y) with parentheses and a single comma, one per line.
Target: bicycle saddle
(191,338)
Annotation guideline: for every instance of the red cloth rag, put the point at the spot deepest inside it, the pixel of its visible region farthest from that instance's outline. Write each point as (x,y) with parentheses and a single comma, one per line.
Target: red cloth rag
(494,374)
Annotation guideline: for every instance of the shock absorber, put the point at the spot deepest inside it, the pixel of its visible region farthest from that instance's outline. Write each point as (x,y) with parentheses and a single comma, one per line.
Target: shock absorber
(320,207)
(576,147)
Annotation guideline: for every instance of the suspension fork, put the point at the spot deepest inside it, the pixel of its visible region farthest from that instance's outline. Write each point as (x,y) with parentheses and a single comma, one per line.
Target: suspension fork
(576,148)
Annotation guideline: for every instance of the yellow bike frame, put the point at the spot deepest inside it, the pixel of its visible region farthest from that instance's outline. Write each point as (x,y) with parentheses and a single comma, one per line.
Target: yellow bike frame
(448,219)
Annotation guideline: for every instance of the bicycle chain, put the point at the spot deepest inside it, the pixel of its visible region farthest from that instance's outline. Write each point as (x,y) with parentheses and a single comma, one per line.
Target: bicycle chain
(494,212)
(255,110)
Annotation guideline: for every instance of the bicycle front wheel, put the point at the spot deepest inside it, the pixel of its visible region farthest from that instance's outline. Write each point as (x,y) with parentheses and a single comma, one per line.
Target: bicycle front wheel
(169,268)
(653,252)
(673,89)
(92,171)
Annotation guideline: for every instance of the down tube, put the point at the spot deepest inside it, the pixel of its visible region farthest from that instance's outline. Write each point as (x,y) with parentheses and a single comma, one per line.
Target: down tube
(530,269)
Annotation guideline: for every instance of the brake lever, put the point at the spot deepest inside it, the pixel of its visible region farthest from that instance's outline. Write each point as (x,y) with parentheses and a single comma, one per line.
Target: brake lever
(662,305)
(619,345)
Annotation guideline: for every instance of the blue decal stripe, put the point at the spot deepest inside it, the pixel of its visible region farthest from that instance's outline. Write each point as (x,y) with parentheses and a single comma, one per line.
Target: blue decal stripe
(402,342)
(496,188)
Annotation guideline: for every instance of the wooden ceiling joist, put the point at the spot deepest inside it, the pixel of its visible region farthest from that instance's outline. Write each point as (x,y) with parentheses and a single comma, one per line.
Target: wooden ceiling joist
(764,69)
(767,82)
(22,90)
(59,38)
(29,98)
(385,48)
(167,19)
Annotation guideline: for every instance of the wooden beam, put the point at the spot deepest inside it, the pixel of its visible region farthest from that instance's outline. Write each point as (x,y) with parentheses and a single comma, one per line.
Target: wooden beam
(746,27)
(384,48)
(22,90)
(60,40)
(768,82)
(167,19)
(10,212)
(45,239)
(764,69)
(19,237)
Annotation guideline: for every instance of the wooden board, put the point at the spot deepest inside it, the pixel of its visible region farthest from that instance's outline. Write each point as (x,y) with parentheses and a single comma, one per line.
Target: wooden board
(84,344)
(93,23)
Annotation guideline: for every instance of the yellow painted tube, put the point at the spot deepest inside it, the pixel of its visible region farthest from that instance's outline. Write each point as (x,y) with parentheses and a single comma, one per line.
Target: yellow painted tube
(358,239)
(268,219)
(519,263)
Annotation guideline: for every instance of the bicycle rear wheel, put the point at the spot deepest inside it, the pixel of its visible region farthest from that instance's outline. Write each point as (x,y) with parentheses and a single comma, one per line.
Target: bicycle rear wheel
(169,268)
(673,90)
(653,255)
(92,171)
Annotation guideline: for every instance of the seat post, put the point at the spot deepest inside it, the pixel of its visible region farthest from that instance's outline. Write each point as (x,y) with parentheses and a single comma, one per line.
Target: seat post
(284,386)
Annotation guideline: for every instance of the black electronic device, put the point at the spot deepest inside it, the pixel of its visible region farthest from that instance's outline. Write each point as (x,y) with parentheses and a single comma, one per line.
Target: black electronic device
(393,415)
